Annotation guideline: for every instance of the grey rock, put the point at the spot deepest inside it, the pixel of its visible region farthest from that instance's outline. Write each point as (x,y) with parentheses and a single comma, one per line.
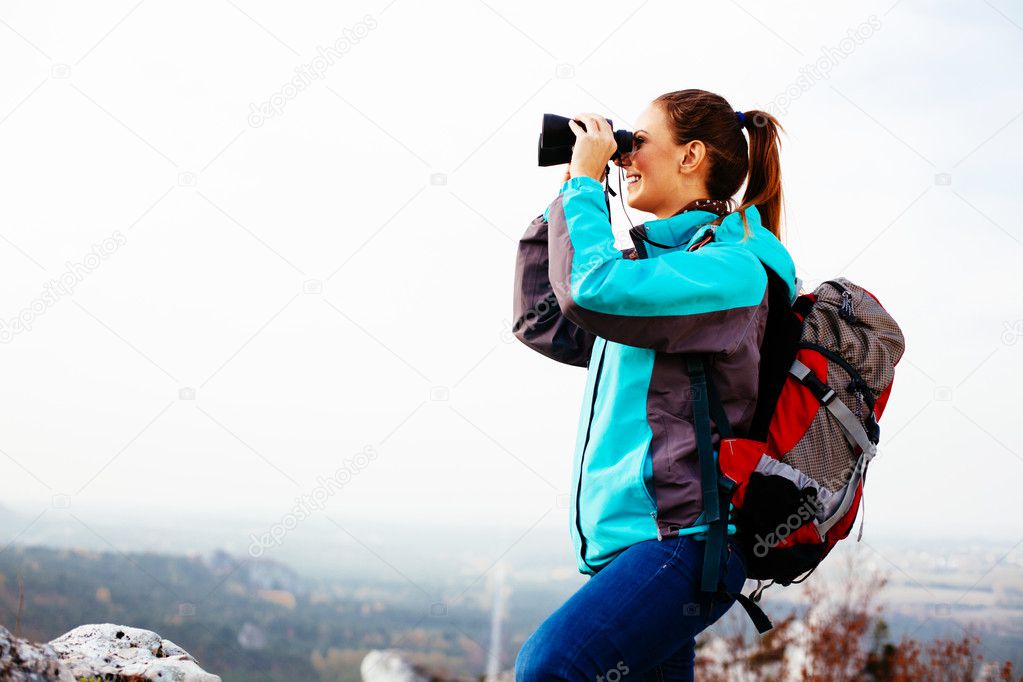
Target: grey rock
(102,649)
(387,665)
(25,661)
(390,665)
(251,636)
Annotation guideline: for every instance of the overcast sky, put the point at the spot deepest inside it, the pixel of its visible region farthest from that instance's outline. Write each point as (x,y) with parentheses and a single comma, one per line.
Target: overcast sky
(228,287)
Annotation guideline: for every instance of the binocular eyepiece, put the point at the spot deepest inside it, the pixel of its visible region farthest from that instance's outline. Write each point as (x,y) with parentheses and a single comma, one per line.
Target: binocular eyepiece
(557,139)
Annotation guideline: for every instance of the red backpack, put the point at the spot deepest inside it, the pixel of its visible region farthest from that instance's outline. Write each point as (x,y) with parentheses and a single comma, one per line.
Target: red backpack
(793,483)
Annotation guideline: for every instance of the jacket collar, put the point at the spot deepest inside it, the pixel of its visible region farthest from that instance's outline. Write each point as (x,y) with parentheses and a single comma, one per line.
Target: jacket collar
(677,230)
(684,229)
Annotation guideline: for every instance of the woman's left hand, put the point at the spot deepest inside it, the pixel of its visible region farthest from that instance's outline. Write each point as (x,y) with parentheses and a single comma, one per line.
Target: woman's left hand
(593,147)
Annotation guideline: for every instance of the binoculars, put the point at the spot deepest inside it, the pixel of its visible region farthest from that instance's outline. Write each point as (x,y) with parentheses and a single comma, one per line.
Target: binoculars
(557,139)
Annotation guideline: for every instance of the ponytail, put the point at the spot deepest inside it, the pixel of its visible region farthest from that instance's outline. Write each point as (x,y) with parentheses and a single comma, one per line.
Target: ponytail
(763,188)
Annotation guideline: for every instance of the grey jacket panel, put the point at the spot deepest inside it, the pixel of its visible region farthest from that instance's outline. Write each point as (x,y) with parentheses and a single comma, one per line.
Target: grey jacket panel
(676,462)
(538,320)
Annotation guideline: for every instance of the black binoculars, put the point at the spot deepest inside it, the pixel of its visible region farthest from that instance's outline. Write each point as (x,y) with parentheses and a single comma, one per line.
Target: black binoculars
(557,139)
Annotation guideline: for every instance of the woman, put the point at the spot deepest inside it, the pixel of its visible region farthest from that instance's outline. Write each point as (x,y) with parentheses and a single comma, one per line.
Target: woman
(696,282)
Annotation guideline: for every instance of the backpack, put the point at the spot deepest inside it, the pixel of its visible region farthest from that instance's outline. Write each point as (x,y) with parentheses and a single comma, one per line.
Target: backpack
(792,485)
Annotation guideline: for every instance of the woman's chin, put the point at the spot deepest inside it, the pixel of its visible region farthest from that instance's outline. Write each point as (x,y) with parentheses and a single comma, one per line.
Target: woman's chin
(634,201)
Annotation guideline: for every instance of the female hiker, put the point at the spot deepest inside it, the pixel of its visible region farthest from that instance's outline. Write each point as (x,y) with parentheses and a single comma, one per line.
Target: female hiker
(696,281)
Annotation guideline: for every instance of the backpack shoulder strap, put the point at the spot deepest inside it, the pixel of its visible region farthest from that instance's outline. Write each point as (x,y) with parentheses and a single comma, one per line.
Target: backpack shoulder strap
(716,489)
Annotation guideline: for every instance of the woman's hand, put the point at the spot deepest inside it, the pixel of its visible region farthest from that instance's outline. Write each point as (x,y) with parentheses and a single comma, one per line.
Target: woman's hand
(593,147)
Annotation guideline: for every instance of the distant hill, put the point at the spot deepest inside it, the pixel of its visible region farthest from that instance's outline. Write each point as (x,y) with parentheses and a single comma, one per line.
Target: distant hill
(246,619)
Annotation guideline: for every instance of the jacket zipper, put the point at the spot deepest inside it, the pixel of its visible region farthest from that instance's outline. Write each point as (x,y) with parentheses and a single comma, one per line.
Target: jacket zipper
(582,459)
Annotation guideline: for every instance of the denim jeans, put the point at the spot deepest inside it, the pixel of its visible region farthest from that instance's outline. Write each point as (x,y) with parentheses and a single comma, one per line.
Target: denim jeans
(635,620)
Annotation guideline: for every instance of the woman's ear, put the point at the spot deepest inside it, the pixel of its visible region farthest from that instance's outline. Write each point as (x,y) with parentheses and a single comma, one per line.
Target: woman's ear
(692,156)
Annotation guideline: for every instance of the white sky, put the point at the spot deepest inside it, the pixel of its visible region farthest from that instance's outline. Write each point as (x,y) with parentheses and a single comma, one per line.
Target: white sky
(133,118)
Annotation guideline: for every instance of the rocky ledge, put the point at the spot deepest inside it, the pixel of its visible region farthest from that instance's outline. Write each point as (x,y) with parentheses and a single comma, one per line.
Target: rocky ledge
(99,651)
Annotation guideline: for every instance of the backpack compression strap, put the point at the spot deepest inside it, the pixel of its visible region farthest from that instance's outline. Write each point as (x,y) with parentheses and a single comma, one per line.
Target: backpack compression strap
(756,614)
(854,433)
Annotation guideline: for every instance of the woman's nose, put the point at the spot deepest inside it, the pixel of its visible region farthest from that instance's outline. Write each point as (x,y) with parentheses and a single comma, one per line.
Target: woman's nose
(624,159)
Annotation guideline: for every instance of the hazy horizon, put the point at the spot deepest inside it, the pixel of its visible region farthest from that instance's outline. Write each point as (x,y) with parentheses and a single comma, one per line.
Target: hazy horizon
(264,288)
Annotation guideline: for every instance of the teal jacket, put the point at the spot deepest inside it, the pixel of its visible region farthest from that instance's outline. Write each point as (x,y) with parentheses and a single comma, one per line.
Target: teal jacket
(626,316)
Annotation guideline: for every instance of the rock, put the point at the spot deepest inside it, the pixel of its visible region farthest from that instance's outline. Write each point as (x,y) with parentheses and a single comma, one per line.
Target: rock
(122,652)
(391,665)
(388,666)
(25,661)
(251,636)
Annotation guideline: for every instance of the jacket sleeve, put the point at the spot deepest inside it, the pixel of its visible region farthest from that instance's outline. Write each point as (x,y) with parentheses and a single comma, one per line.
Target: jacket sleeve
(538,321)
(701,301)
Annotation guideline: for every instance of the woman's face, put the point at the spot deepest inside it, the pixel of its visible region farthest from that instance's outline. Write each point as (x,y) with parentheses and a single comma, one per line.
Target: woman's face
(662,176)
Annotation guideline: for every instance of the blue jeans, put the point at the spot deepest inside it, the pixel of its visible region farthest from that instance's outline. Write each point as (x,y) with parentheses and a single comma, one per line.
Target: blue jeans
(636,620)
